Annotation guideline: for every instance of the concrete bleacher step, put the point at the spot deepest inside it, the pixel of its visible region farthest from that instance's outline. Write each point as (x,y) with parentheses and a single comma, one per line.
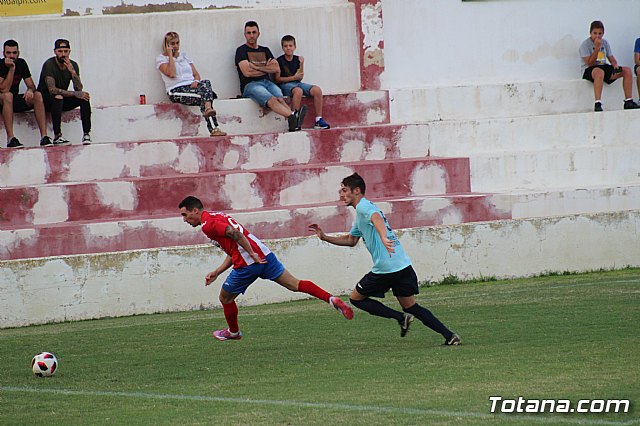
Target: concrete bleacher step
(229,190)
(197,155)
(193,155)
(492,100)
(536,133)
(82,237)
(555,168)
(236,117)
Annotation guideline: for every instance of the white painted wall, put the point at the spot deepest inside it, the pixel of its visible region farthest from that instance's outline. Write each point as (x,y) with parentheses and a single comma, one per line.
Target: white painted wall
(443,42)
(171,279)
(96,7)
(116,53)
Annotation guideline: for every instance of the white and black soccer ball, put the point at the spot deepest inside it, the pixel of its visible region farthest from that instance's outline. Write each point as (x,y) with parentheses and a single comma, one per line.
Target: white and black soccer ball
(45,364)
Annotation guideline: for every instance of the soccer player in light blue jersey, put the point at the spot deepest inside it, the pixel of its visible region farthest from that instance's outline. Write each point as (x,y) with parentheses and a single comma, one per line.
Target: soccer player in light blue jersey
(392,268)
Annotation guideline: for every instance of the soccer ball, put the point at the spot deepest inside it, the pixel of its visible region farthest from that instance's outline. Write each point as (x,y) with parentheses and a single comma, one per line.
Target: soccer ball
(44,364)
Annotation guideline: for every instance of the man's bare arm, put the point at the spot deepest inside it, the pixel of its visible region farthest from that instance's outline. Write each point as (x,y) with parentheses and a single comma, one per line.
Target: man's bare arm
(248,70)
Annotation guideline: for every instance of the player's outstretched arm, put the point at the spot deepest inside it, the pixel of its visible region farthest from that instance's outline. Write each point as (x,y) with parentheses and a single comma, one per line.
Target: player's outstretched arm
(347,240)
(211,276)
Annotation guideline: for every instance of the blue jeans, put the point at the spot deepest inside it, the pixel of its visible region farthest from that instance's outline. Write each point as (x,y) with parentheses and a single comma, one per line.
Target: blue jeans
(261,91)
(287,88)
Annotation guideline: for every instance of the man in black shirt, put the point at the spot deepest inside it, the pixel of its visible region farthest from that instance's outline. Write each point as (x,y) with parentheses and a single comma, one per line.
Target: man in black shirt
(254,64)
(57,72)
(13,70)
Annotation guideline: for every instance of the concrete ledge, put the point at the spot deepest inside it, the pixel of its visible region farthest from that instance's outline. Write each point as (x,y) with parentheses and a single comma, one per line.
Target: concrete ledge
(236,117)
(148,281)
(164,231)
(480,101)
(199,155)
(561,132)
(538,170)
(402,212)
(255,189)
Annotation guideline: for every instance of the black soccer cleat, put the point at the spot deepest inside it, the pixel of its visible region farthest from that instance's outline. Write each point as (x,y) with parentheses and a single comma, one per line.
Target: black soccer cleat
(453,341)
(405,323)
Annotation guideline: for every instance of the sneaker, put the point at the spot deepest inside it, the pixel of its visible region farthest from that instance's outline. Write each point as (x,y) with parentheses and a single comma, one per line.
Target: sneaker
(293,121)
(226,335)
(321,124)
(597,107)
(217,132)
(14,143)
(630,104)
(59,140)
(301,113)
(342,307)
(46,141)
(454,341)
(86,139)
(405,323)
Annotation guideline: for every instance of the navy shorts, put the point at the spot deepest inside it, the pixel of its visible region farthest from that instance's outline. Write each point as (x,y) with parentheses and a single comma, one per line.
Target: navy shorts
(241,278)
(402,283)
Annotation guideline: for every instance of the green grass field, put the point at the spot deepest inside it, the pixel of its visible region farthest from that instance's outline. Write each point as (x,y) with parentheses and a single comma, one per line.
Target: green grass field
(557,337)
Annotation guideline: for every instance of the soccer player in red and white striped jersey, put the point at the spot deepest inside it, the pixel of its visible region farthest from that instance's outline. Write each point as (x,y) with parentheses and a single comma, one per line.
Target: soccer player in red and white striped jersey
(251,259)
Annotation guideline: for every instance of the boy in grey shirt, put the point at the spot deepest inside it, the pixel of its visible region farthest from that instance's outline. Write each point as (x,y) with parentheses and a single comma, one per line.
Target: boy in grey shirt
(600,66)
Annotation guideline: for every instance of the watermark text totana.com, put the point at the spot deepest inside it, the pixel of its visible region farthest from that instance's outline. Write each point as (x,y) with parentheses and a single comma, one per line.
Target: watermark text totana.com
(523,405)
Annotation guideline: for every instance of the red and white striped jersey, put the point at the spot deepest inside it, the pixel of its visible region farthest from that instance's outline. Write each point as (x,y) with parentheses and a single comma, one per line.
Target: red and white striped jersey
(214,225)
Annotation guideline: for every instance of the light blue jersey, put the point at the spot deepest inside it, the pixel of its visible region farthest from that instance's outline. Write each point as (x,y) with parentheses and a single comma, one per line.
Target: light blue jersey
(383,262)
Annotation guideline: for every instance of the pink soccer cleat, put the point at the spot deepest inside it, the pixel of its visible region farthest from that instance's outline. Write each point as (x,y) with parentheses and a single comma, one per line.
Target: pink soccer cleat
(342,307)
(225,334)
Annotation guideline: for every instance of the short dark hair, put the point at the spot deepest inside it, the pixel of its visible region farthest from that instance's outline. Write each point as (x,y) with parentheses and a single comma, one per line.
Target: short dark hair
(10,43)
(355,181)
(596,24)
(288,37)
(251,24)
(191,203)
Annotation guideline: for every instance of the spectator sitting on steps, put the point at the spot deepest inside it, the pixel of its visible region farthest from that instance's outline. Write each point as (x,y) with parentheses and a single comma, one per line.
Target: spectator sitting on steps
(254,64)
(57,72)
(289,77)
(183,84)
(600,66)
(13,70)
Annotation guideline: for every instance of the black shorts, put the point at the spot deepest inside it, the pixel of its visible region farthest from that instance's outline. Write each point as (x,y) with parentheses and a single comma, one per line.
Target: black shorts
(635,71)
(403,283)
(608,72)
(19,104)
